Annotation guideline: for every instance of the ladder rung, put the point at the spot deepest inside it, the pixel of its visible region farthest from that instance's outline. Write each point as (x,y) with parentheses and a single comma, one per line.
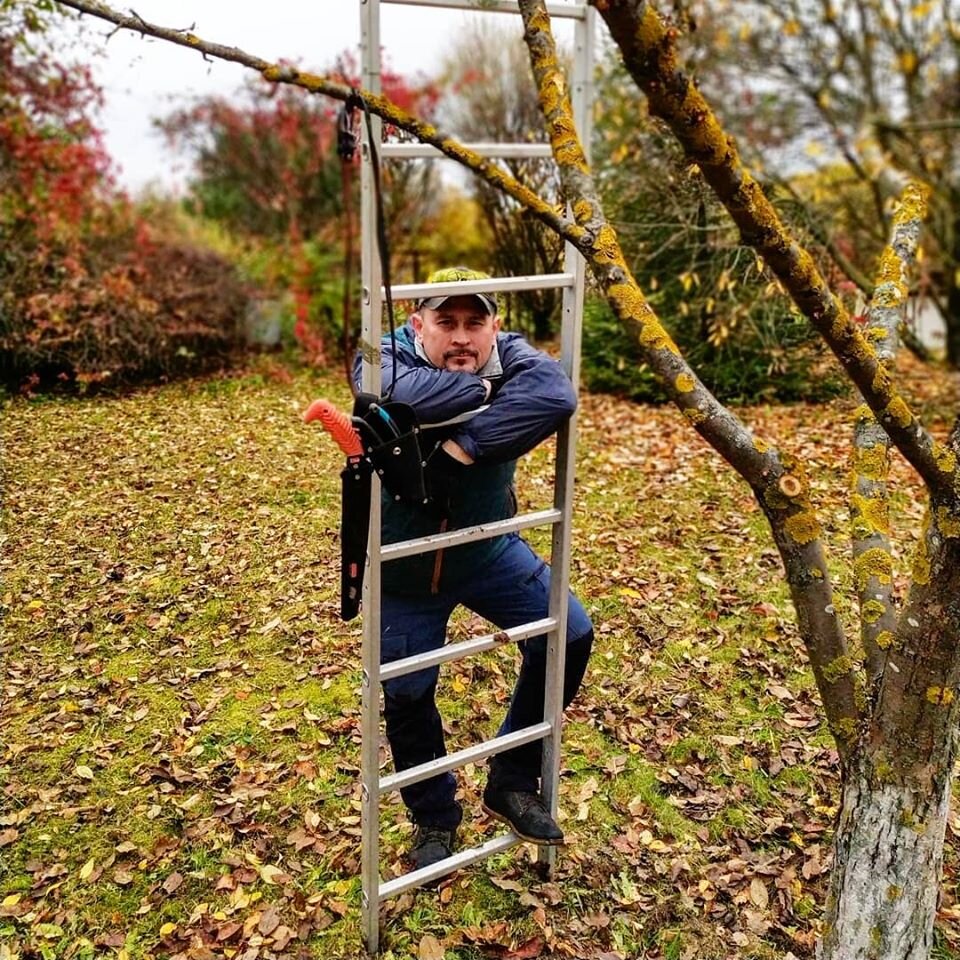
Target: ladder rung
(512,151)
(545,281)
(571,11)
(466,648)
(452,761)
(463,858)
(407,548)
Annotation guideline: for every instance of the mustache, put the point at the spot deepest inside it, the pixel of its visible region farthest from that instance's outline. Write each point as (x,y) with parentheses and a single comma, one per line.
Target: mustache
(450,354)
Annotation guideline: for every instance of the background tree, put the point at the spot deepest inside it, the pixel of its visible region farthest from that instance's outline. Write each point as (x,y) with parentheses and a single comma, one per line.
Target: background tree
(267,169)
(894,716)
(492,98)
(722,306)
(865,93)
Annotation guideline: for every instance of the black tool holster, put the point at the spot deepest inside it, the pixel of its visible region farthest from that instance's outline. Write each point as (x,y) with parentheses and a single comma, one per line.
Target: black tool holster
(390,433)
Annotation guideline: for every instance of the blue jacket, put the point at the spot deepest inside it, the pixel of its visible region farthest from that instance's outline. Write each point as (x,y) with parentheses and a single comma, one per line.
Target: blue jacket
(535,398)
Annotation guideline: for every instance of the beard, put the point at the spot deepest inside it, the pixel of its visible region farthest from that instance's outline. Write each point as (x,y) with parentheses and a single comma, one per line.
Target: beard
(458,358)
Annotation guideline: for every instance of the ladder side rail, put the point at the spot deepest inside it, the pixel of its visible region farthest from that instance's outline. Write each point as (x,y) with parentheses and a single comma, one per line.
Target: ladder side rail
(570,342)
(371,327)
(465,648)
(558,10)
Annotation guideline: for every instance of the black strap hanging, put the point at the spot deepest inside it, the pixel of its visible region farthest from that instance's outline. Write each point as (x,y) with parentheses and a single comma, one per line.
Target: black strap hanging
(346,147)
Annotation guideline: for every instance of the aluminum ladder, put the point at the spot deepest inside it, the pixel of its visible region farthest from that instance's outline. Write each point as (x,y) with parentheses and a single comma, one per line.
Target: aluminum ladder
(571,281)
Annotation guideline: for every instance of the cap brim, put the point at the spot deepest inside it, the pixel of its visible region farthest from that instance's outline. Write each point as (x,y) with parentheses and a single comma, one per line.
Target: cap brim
(435,303)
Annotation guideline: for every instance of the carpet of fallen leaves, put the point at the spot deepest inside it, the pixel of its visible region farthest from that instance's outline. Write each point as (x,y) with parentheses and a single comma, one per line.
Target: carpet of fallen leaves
(180,706)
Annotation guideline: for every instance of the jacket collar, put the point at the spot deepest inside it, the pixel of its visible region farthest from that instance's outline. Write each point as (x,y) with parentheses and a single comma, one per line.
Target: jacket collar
(492,368)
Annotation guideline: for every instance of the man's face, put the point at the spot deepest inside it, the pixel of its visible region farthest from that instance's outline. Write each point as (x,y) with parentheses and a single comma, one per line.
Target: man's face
(459,335)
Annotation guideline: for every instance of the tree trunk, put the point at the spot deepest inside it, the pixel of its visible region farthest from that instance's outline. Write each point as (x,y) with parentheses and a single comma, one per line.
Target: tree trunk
(886,875)
(952,322)
(888,848)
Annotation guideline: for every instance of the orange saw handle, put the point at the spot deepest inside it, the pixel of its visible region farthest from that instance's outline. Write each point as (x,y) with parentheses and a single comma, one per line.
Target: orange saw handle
(337,424)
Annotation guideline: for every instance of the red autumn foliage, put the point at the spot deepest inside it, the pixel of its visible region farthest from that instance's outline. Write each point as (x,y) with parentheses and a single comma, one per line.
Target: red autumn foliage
(267,168)
(87,293)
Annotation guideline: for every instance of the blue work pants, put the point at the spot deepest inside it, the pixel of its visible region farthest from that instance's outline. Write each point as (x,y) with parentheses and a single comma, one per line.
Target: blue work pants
(512,590)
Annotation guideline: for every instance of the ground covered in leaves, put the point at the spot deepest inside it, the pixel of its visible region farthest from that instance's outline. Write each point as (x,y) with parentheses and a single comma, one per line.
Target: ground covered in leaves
(180,706)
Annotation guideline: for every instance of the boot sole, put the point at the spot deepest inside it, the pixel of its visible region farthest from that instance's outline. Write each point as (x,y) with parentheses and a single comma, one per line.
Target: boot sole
(539,841)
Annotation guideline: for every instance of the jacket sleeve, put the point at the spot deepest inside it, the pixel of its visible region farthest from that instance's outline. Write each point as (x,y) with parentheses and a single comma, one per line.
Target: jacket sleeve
(535,399)
(435,395)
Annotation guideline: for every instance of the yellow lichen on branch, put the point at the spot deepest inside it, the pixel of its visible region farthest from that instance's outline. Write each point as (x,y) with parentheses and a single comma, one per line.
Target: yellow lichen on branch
(875,564)
(941,696)
(872,463)
(633,308)
(946,459)
(873,610)
(838,668)
(948,522)
(898,411)
(803,527)
(607,248)
(884,640)
(870,515)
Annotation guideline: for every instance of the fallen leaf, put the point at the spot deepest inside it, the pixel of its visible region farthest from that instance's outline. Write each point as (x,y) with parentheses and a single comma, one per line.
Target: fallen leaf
(758,893)
(527,950)
(269,921)
(173,882)
(272,874)
(430,948)
(228,930)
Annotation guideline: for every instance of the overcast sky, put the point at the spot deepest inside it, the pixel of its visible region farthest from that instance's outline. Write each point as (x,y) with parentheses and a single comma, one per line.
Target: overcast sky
(145,78)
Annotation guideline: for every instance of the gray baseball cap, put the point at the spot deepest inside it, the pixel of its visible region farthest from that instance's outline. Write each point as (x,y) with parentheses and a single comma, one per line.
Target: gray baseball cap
(452,274)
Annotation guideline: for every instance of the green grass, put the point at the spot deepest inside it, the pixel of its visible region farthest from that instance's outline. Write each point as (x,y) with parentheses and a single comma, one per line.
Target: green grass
(181,701)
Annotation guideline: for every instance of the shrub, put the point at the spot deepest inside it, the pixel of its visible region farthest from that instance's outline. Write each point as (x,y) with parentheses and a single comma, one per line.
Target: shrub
(163,311)
(88,293)
(772,358)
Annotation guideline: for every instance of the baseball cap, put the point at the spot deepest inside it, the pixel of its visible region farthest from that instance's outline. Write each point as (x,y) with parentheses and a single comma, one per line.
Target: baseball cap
(451,275)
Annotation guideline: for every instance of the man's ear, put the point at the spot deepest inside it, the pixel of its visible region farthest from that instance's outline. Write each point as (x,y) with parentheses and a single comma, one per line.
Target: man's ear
(496,323)
(416,321)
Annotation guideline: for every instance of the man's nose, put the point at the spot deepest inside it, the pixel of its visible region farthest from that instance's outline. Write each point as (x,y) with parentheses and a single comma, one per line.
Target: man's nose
(460,335)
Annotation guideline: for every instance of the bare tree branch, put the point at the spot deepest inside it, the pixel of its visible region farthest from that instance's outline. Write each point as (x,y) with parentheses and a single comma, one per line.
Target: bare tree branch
(869,501)
(379,105)
(650,55)
(777,481)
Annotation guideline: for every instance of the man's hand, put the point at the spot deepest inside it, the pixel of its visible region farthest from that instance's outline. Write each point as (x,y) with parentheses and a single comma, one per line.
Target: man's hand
(453,449)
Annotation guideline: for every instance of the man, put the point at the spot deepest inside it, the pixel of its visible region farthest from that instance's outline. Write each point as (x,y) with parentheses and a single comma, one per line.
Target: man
(452,359)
